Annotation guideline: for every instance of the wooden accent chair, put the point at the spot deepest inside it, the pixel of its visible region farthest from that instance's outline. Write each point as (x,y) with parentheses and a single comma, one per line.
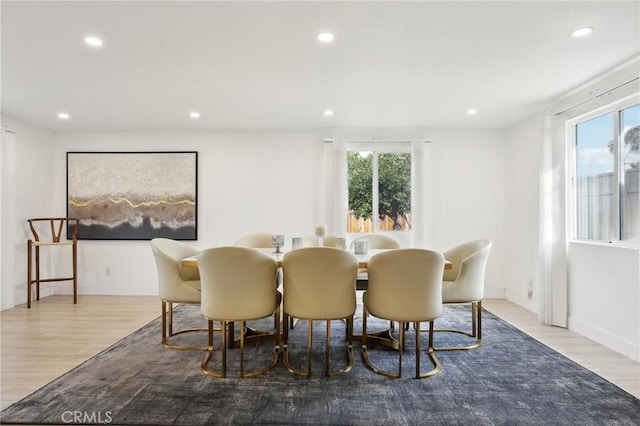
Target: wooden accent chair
(47,231)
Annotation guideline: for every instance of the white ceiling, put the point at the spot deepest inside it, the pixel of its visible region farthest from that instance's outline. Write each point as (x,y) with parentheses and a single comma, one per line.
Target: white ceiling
(258,65)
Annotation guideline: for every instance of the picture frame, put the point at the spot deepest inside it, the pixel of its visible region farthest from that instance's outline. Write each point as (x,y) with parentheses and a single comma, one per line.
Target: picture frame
(133,195)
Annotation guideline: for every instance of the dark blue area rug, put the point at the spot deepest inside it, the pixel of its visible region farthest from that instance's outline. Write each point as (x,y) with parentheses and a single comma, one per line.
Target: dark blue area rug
(510,380)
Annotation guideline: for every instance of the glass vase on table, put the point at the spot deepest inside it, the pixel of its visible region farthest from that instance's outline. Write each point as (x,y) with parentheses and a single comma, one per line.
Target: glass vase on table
(277,241)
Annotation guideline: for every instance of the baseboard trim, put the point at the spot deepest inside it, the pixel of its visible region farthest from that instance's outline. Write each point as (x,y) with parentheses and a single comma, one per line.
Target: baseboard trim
(604,338)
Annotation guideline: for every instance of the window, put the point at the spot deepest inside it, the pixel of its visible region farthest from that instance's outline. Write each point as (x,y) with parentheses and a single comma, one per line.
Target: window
(607,155)
(379,191)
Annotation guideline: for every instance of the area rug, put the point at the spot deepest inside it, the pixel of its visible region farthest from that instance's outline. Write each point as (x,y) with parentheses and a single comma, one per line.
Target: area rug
(510,380)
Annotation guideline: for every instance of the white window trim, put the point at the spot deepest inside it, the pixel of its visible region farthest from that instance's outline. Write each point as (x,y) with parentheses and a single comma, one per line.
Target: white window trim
(335,198)
(614,107)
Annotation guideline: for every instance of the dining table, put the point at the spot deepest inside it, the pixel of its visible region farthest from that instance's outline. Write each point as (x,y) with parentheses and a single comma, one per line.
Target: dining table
(384,337)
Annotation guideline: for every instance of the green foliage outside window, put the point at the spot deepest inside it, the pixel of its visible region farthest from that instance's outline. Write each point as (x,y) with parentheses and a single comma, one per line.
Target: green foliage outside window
(394,187)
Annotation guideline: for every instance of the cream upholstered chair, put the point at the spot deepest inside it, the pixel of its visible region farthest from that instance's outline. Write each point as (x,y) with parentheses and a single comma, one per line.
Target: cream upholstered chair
(374,241)
(464,283)
(314,241)
(319,284)
(378,241)
(176,284)
(405,285)
(238,285)
(332,241)
(260,240)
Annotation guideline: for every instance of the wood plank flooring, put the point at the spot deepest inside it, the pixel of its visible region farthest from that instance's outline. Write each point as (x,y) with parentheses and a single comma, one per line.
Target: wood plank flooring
(42,343)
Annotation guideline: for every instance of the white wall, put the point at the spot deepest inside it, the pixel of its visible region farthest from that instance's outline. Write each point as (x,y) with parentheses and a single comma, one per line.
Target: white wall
(603,281)
(26,176)
(247,182)
(523,153)
(469,195)
(265,181)
(604,295)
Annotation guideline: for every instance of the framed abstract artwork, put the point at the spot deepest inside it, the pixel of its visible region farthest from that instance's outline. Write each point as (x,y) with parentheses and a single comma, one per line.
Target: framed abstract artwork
(133,195)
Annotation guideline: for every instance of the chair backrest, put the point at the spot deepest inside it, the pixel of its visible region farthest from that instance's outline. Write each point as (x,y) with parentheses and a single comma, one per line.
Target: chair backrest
(237,283)
(377,241)
(332,241)
(49,229)
(313,241)
(405,285)
(468,265)
(319,283)
(171,274)
(260,240)
(310,241)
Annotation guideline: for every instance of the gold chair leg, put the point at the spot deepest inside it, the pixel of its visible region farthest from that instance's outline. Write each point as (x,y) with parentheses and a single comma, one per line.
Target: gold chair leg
(365,350)
(207,356)
(327,371)
(167,330)
(476,330)
(402,327)
(432,356)
(274,356)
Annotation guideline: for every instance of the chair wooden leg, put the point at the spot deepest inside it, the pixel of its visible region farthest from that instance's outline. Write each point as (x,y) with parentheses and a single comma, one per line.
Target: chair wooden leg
(75,273)
(29,260)
(37,273)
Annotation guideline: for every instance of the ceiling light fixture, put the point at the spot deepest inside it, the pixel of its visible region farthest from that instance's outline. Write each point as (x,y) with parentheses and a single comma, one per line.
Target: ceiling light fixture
(93,41)
(325,37)
(581,32)
(63,116)
(472,111)
(328,113)
(194,114)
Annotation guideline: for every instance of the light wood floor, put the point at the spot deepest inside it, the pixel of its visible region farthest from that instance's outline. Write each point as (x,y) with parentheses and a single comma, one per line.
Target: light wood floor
(41,343)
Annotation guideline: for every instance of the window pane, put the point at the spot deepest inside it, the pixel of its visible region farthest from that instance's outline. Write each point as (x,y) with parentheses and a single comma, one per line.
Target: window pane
(360,176)
(595,179)
(394,192)
(630,155)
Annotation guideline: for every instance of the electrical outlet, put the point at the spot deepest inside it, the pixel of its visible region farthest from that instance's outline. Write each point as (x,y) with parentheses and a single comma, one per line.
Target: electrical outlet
(530,289)
(107,271)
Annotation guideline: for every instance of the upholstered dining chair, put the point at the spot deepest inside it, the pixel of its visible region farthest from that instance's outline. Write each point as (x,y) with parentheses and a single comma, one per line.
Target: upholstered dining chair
(333,241)
(314,241)
(405,285)
(464,284)
(319,284)
(176,284)
(374,241)
(238,285)
(259,240)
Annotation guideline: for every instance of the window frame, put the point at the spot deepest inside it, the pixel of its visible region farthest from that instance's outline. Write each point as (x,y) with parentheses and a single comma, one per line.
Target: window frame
(377,148)
(616,224)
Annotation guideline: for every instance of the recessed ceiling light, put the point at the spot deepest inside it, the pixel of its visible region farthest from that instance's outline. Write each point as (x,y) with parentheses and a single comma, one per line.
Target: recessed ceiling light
(325,37)
(581,32)
(93,41)
(63,116)
(194,114)
(328,113)
(472,111)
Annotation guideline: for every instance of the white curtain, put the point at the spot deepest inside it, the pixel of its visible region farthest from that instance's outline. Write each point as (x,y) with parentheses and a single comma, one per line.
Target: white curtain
(552,246)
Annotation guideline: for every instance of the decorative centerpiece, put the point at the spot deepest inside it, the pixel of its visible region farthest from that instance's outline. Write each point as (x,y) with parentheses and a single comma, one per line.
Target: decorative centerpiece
(321,232)
(277,241)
